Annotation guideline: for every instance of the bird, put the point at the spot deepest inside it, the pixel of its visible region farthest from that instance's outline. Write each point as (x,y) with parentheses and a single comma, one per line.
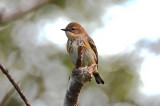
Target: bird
(77,36)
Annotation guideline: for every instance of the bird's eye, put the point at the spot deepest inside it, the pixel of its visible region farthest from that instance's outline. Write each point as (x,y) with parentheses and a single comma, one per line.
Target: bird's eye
(73,29)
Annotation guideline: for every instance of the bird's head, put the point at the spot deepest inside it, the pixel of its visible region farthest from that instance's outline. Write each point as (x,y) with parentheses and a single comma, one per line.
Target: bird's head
(74,30)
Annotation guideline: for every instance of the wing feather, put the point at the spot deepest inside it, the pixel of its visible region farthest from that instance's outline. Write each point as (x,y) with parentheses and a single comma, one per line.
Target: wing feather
(67,46)
(93,46)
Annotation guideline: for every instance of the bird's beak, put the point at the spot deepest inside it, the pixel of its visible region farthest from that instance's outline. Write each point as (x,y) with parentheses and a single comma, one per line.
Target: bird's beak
(64,29)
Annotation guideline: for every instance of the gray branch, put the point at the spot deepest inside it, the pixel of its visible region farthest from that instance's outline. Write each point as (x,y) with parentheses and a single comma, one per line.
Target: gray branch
(79,77)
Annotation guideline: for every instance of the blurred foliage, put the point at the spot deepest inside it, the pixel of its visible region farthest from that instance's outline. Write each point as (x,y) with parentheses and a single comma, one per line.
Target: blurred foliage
(120,83)
(121,76)
(13,102)
(8,48)
(6,40)
(151,46)
(7,96)
(32,82)
(65,60)
(60,3)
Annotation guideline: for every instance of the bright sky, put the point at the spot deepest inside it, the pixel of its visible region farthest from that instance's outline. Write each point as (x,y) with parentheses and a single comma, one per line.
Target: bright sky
(125,25)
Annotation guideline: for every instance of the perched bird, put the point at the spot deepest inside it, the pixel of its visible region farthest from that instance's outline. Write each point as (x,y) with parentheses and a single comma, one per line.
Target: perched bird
(77,36)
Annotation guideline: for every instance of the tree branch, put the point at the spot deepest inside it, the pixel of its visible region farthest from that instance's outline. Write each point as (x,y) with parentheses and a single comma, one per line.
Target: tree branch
(20,10)
(79,77)
(5,71)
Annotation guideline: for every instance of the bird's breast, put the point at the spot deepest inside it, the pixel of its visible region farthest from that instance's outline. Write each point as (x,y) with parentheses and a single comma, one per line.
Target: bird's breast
(88,56)
(73,49)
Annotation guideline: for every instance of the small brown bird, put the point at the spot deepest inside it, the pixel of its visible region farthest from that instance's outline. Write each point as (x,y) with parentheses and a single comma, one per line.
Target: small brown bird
(77,36)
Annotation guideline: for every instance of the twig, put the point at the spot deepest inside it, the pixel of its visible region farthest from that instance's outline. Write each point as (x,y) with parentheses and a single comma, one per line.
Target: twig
(79,60)
(5,71)
(79,77)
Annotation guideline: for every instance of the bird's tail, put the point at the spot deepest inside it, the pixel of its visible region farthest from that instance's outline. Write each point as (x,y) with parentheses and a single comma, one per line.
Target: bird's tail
(98,78)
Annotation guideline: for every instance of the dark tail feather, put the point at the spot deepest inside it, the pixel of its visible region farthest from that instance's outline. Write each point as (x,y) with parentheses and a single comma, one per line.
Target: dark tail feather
(98,78)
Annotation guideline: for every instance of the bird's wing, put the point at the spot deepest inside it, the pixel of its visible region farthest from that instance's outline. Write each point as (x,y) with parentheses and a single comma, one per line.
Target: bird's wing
(93,46)
(67,46)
